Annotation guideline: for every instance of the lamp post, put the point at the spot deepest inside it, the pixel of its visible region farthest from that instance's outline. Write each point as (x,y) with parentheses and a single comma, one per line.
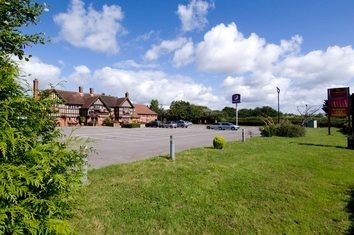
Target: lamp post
(278,91)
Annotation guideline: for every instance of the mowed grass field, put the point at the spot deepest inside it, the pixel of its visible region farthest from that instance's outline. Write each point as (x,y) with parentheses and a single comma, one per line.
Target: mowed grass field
(265,185)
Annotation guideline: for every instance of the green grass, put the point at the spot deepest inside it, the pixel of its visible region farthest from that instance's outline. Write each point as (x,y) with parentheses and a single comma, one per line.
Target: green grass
(266,185)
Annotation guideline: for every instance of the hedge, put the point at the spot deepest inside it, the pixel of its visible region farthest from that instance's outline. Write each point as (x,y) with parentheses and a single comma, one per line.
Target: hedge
(130,125)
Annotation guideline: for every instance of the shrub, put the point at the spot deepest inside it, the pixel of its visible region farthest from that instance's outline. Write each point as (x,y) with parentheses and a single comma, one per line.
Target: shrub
(107,121)
(268,131)
(130,125)
(285,129)
(219,142)
(39,170)
(288,129)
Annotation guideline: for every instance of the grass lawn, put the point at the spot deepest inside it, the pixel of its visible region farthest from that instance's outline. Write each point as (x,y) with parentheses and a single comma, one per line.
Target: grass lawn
(266,185)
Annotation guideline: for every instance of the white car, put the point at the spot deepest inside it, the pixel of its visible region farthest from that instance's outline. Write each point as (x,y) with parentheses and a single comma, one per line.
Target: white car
(223,126)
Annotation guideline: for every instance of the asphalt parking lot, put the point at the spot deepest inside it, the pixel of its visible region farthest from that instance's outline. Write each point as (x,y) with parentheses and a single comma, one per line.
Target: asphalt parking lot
(122,145)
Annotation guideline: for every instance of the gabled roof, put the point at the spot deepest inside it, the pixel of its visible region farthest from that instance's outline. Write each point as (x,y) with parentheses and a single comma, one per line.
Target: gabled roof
(90,101)
(120,101)
(111,101)
(72,98)
(143,109)
(87,99)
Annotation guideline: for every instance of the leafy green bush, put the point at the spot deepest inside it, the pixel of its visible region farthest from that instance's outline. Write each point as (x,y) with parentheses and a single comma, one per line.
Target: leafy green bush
(39,169)
(219,142)
(287,129)
(107,121)
(39,172)
(268,130)
(130,125)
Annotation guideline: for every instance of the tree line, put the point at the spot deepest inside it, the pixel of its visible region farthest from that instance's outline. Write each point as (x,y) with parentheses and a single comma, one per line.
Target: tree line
(202,114)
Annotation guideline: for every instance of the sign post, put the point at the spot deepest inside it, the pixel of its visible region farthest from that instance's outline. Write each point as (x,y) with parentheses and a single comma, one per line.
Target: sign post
(236,98)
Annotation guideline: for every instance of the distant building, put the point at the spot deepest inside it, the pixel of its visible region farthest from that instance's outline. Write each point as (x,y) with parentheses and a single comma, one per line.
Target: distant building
(93,108)
(144,113)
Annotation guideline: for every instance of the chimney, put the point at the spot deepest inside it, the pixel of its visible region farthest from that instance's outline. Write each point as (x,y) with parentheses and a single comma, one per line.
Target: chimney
(80,89)
(35,89)
(127,95)
(91,91)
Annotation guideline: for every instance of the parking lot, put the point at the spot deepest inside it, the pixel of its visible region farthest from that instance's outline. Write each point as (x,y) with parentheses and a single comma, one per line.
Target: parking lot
(121,145)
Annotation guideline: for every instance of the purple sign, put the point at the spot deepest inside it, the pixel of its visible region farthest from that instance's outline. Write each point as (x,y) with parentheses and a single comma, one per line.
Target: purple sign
(236,98)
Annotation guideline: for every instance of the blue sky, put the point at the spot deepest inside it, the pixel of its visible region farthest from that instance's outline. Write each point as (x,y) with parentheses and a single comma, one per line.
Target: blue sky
(199,51)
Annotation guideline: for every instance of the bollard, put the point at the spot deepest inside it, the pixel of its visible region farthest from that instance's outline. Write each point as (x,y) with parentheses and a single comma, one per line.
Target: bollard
(243,135)
(172,148)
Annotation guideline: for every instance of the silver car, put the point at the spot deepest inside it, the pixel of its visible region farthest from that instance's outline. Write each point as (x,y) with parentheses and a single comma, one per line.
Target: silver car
(170,124)
(223,126)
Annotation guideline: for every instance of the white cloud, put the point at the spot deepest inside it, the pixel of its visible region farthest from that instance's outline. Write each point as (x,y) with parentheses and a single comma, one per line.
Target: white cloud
(184,55)
(36,69)
(303,79)
(166,46)
(95,30)
(193,15)
(318,68)
(80,76)
(257,90)
(182,48)
(145,85)
(254,68)
(225,49)
(147,36)
(132,64)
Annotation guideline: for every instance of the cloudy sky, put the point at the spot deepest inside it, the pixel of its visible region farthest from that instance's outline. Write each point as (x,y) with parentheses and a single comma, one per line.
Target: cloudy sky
(201,51)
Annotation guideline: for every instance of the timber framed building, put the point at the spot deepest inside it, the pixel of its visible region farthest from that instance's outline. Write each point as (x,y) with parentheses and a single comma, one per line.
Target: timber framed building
(74,107)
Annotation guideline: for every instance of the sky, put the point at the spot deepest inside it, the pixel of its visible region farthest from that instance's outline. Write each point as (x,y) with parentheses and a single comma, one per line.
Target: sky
(200,51)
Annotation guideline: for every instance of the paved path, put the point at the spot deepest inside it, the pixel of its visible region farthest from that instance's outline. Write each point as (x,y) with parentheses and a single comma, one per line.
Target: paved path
(121,145)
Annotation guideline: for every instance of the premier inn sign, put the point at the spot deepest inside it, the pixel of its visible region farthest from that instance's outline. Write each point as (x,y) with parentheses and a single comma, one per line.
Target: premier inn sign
(338,102)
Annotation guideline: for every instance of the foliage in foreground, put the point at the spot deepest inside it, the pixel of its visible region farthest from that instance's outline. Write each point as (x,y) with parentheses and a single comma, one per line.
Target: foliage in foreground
(39,172)
(261,186)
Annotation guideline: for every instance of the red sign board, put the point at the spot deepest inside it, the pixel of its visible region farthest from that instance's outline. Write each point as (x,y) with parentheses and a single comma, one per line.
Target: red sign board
(338,101)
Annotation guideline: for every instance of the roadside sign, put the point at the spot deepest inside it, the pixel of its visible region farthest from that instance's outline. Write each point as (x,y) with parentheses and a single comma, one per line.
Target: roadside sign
(236,98)
(338,102)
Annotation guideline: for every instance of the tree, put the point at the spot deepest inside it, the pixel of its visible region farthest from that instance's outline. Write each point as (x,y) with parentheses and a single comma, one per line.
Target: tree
(179,110)
(154,105)
(307,112)
(198,113)
(157,108)
(15,14)
(325,107)
(244,113)
(265,111)
(229,112)
(39,171)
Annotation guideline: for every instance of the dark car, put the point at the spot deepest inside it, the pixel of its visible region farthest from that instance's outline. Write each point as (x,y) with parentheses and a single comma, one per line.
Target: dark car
(153,124)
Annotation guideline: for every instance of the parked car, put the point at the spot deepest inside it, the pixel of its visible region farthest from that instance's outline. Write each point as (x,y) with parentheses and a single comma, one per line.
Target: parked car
(170,124)
(182,123)
(154,124)
(223,126)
